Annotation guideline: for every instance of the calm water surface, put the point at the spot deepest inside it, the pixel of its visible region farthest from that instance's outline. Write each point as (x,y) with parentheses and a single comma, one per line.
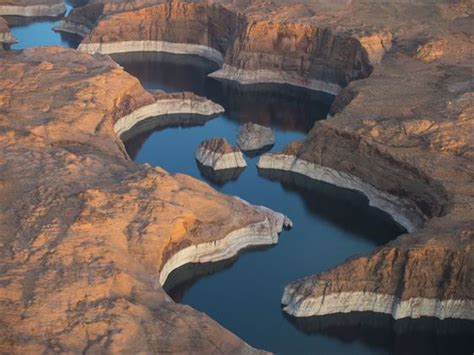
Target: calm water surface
(330,223)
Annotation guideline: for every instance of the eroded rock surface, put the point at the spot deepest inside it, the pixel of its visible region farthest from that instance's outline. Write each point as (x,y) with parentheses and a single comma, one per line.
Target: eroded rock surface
(406,130)
(254,137)
(218,154)
(87,235)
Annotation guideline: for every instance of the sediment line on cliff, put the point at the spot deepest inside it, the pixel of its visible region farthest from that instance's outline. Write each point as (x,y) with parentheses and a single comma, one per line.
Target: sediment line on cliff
(263,76)
(33,10)
(154,46)
(165,113)
(346,302)
(257,234)
(402,211)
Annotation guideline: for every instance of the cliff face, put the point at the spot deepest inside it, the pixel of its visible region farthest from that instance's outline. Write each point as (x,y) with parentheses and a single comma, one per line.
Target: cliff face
(211,26)
(86,233)
(305,50)
(407,134)
(255,49)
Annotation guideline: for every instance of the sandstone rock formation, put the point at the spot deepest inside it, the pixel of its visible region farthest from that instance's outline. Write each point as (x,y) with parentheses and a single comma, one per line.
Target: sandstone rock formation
(6,38)
(218,154)
(256,49)
(32,8)
(88,237)
(408,135)
(176,109)
(254,137)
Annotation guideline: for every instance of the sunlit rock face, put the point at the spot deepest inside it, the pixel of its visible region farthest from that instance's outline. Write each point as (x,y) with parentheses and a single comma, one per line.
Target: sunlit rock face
(86,233)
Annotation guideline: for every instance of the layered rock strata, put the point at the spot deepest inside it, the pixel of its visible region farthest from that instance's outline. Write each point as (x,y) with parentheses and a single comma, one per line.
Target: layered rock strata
(252,50)
(178,28)
(178,109)
(87,235)
(407,135)
(253,137)
(32,8)
(218,154)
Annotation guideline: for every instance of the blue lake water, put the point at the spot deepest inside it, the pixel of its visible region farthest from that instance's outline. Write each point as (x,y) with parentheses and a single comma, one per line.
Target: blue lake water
(330,223)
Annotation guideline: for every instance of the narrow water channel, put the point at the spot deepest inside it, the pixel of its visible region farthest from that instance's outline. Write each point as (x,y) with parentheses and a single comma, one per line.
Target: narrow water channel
(330,223)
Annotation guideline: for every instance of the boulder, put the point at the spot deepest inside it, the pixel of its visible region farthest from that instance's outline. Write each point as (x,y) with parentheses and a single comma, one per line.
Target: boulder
(218,154)
(253,137)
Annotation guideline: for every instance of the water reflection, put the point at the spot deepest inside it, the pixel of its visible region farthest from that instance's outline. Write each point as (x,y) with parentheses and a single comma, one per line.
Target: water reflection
(283,106)
(424,336)
(330,223)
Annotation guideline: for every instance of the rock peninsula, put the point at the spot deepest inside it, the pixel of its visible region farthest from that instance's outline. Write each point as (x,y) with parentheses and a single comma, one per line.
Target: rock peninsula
(89,237)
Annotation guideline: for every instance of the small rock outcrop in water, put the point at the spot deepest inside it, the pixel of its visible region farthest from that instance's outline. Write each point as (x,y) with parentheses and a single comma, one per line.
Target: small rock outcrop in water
(254,138)
(6,38)
(218,154)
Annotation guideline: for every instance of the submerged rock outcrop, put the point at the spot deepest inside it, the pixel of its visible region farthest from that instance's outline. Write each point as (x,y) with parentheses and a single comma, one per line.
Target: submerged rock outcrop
(88,237)
(32,8)
(253,137)
(6,38)
(218,154)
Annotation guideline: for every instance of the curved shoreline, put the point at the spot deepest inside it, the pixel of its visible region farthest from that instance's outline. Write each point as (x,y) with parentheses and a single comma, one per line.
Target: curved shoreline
(191,110)
(256,234)
(263,76)
(400,210)
(346,302)
(154,46)
(33,10)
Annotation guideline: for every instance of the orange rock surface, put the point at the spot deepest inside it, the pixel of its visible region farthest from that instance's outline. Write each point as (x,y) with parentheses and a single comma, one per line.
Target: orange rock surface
(85,231)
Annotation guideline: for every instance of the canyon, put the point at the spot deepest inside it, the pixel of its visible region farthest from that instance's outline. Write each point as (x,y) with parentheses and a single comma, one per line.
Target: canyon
(108,232)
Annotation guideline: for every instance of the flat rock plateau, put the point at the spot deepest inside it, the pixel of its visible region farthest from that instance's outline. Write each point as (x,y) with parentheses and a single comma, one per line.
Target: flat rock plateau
(88,236)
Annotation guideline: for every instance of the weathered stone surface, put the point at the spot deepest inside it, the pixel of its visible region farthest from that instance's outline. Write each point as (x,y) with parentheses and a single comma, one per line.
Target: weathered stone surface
(32,8)
(218,154)
(168,110)
(87,235)
(256,49)
(6,38)
(406,130)
(253,137)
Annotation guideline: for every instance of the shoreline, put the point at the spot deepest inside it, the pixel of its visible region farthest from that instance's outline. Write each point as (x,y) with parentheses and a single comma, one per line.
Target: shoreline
(154,46)
(400,210)
(262,76)
(160,113)
(359,301)
(261,233)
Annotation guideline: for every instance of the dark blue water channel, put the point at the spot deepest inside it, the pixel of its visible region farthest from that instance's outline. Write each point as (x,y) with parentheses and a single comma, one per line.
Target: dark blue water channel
(330,223)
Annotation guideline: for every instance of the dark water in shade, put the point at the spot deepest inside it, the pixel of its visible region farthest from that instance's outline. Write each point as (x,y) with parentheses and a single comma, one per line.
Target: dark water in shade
(330,223)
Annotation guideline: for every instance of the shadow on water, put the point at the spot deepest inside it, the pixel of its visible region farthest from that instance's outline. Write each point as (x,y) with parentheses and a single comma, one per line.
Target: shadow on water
(279,106)
(338,205)
(424,336)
